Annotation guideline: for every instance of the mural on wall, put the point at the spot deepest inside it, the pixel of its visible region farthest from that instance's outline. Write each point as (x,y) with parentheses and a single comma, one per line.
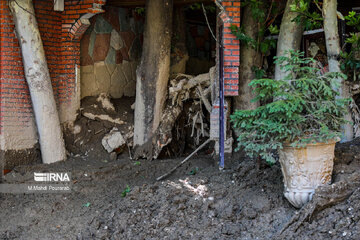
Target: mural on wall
(110,53)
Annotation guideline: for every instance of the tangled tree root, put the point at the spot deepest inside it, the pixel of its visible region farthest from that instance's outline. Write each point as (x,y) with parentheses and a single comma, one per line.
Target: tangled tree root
(182,87)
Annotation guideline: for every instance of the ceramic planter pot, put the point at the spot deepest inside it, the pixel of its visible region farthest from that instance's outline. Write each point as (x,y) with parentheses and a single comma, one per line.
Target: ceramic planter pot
(304,169)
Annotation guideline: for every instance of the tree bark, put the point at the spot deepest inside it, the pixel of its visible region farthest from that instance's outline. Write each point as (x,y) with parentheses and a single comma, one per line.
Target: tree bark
(249,58)
(333,54)
(38,78)
(289,37)
(152,74)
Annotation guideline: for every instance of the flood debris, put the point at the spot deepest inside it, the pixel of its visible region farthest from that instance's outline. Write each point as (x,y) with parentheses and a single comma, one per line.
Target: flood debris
(106,125)
(102,117)
(182,88)
(104,128)
(113,140)
(102,109)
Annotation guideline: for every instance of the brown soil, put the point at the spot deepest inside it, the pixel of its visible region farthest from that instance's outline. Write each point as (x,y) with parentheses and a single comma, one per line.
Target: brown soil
(242,202)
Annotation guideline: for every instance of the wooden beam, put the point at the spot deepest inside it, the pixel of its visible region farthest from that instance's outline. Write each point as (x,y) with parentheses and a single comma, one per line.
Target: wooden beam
(141,3)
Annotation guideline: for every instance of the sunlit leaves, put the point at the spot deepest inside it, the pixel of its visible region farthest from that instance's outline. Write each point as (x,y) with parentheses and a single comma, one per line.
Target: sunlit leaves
(310,20)
(350,62)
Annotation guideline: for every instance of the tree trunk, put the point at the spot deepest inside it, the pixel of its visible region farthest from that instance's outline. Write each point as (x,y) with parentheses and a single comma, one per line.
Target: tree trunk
(249,58)
(179,55)
(152,74)
(38,78)
(333,54)
(289,37)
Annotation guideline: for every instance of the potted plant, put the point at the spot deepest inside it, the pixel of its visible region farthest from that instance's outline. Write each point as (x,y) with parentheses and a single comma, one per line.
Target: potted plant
(301,119)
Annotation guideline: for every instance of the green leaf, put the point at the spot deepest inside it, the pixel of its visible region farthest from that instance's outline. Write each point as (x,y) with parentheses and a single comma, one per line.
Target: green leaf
(126,191)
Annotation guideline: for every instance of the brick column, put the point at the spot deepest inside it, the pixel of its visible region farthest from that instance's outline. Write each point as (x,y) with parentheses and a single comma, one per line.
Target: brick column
(231,53)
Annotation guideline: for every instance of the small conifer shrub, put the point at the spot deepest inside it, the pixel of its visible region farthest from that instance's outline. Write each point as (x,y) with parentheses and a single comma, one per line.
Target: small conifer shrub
(302,108)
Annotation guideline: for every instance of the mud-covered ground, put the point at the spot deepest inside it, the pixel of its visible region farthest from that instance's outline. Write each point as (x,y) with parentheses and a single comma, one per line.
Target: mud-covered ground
(196,202)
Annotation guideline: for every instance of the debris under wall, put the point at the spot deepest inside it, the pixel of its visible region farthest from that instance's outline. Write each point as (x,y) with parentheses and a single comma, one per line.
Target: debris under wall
(105,125)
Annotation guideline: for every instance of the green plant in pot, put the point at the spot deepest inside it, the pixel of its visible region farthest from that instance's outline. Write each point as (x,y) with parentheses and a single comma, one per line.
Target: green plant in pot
(301,120)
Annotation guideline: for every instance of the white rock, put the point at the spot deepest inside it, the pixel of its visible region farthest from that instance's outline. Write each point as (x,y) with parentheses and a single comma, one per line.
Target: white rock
(77,129)
(104,99)
(113,140)
(133,106)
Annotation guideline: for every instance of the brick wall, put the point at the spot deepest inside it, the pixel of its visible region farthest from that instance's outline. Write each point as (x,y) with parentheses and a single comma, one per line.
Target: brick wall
(15,108)
(61,33)
(231,47)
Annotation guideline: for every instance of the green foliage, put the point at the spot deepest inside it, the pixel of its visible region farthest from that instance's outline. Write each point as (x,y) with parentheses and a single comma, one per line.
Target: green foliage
(140,11)
(86,204)
(310,20)
(126,191)
(274,29)
(194,171)
(260,12)
(259,73)
(353,19)
(303,108)
(197,6)
(242,37)
(350,62)
(257,9)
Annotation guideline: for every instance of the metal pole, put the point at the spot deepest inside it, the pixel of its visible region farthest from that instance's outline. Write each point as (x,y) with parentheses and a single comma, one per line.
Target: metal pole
(221,96)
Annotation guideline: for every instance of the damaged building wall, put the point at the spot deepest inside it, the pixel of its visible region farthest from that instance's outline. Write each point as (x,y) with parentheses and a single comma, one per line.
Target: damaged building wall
(61,33)
(110,53)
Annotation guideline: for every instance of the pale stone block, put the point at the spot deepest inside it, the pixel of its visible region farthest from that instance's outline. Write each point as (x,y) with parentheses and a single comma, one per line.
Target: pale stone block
(102,76)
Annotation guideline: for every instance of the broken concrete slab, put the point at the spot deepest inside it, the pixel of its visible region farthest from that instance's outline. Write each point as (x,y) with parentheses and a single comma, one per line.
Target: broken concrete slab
(113,140)
(103,117)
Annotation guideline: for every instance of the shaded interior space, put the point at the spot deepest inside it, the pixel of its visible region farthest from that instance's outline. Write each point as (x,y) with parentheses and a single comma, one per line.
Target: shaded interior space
(110,54)
(200,43)
(111,48)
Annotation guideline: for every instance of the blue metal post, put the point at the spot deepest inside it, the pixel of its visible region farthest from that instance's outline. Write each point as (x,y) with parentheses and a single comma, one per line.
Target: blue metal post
(221,96)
